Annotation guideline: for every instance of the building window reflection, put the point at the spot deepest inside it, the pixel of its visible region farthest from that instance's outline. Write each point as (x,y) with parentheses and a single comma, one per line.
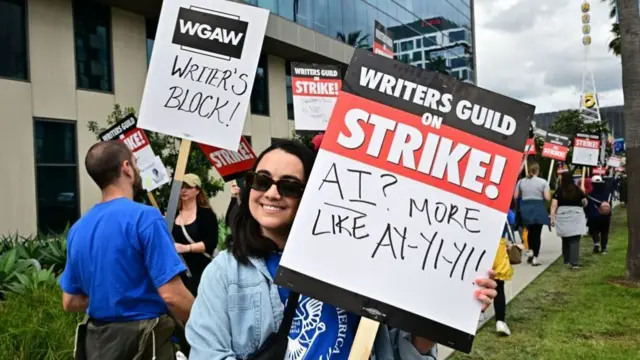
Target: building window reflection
(260,93)
(13,39)
(92,37)
(289,89)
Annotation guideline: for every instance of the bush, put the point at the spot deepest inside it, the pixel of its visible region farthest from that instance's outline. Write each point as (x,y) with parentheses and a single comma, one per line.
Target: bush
(35,327)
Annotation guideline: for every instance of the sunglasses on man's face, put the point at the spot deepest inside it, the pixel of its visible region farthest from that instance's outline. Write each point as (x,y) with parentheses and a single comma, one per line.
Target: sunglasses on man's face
(286,187)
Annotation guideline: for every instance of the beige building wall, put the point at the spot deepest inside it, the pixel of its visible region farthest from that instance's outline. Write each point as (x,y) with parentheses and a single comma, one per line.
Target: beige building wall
(51,93)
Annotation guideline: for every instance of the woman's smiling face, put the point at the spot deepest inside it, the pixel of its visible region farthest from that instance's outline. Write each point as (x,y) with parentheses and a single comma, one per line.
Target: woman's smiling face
(274,212)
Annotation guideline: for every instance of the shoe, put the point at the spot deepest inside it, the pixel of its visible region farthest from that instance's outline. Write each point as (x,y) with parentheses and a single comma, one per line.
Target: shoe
(535,262)
(502,328)
(596,248)
(575,267)
(180,356)
(604,252)
(530,259)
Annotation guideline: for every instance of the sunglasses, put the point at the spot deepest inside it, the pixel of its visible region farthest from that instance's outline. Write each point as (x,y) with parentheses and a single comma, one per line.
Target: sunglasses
(286,187)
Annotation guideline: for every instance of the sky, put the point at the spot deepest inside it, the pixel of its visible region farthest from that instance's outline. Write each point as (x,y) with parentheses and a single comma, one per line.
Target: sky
(532,50)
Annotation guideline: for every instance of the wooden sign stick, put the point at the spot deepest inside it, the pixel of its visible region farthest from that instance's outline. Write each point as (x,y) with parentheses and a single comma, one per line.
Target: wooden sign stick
(553,162)
(524,164)
(584,174)
(152,200)
(363,342)
(176,186)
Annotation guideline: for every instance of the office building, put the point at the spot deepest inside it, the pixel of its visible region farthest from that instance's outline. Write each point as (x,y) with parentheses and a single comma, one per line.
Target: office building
(64,63)
(613,115)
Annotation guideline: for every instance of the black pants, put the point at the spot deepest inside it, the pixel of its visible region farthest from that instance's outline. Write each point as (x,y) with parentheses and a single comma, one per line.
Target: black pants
(534,232)
(599,231)
(571,250)
(500,302)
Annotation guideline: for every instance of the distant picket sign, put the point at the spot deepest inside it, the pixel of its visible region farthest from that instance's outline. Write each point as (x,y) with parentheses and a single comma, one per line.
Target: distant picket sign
(315,92)
(230,165)
(556,146)
(586,150)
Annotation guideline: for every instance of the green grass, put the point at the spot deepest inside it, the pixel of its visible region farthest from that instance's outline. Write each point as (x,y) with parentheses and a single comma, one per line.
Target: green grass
(568,315)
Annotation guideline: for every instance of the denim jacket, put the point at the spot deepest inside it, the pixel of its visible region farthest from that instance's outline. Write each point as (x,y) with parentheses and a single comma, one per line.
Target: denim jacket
(238,306)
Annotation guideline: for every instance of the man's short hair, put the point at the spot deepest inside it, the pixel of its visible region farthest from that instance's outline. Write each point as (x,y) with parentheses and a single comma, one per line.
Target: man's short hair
(104,161)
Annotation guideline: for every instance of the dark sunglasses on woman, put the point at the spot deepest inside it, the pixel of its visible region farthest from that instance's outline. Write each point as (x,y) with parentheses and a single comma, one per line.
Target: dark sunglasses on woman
(286,187)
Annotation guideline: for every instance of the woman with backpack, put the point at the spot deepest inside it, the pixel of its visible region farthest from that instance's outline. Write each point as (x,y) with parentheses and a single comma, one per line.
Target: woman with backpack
(599,214)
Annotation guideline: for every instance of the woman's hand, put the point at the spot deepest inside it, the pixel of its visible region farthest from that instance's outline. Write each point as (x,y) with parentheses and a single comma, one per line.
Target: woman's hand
(181,248)
(487,291)
(553,220)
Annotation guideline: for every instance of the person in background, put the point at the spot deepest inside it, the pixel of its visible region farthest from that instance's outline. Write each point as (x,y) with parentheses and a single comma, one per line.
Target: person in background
(233,203)
(599,214)
(567,215)
(195,230)
(122,267)
(239,305)
(533,192)
(504,272)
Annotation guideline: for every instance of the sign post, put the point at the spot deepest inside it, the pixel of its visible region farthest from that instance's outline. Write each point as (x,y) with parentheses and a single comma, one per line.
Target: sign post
(407,184)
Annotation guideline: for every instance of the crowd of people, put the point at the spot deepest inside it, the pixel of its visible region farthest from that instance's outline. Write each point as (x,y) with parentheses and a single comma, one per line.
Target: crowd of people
(573,212)
(125,271)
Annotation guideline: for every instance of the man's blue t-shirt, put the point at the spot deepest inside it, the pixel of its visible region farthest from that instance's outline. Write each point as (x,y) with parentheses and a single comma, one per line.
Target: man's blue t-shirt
(319,330)
(118,254)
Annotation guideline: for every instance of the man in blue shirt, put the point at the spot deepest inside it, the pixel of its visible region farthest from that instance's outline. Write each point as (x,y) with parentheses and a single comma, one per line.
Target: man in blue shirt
(122,267)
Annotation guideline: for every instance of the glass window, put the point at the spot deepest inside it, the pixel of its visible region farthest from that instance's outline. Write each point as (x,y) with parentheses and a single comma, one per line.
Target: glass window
(260,92)
(13,39)
(272,5)
(349,24)
(418,43)
(417,56)
(464,75)
(429,41)
(151,24)
(304,12)
(335,18)
(458,62)
(395,48)
(320,16)
(457,35)
(406,45)
(289,89)
(92,32)
(56,175)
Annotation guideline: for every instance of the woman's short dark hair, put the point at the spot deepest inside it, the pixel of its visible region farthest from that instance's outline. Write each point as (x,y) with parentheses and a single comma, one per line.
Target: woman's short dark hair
(569,189)
(246,239)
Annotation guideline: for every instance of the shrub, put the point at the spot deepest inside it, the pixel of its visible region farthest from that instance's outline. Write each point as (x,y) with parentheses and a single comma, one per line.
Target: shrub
(223,232)
(11,266)
(35,327)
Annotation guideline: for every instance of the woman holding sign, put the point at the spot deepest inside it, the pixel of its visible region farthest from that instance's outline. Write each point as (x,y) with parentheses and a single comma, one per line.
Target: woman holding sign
(240,312)
(567,215)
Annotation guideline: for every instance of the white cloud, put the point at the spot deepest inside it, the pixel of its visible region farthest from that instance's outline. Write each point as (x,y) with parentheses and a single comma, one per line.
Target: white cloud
(532,51)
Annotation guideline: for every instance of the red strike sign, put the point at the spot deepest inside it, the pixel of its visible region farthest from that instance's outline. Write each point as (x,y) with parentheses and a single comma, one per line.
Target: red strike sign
(530,147)
(316,88)
(599,171)
(587,143)
(441,156)
(230,164)
(135,139)
(554,151)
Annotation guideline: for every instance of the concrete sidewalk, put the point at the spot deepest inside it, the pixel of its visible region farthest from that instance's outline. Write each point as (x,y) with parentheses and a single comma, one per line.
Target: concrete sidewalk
(523,275)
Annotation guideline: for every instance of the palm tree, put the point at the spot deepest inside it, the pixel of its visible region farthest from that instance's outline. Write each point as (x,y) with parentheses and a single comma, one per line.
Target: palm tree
(354,39)
(614,44)
(629,19)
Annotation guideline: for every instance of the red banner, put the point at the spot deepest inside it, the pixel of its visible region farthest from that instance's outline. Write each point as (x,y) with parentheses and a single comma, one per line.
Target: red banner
(599,171)
(230,164)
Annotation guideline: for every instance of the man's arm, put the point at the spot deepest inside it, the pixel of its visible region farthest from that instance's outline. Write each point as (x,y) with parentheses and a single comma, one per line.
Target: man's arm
(177,297)
(74,303)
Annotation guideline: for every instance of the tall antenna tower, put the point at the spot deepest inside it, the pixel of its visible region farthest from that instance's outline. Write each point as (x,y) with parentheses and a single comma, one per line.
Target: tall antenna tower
(589,107)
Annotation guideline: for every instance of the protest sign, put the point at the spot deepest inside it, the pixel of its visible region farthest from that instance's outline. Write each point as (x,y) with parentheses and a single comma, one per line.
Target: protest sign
(407,199)
(154,174)
(382,40)
(599,171)
(586,150)
(315,91)
(202,70)
(230,164)
(614,161)
(126,130)
(530,147)
(556,147)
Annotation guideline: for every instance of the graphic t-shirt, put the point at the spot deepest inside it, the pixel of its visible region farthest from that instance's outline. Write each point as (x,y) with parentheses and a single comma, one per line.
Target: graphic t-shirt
(319,331)
(118,254)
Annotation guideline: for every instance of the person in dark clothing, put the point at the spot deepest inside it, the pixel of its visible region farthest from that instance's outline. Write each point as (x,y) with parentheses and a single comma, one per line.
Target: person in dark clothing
(233,204)
(598,218)
(567,216)
(195,231)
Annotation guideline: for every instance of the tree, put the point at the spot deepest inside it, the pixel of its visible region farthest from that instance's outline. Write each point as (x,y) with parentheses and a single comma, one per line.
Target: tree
(438,64)
(167,147)
(354,39)
(629,17)
(614,44)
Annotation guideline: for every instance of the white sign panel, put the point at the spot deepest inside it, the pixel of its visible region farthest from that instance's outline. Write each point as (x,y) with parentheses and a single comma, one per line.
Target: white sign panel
(407,199)
(202,70)
(315,92)
(586,150)
(614,161)
(154,174)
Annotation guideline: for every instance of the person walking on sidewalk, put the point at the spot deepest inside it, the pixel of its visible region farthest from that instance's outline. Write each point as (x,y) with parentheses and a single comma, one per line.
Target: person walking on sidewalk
(567,215)
(599,214)
(122,268)
(504,272)
(533,192)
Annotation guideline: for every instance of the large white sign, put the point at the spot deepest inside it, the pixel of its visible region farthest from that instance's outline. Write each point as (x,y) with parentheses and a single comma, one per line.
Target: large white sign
(586,150)
(315,92)
(407,199)
(202,70)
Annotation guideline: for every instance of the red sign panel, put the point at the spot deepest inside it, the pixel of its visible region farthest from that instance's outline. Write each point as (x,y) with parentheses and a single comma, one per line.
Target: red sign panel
(230,164)
(599,171)
(530,148)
